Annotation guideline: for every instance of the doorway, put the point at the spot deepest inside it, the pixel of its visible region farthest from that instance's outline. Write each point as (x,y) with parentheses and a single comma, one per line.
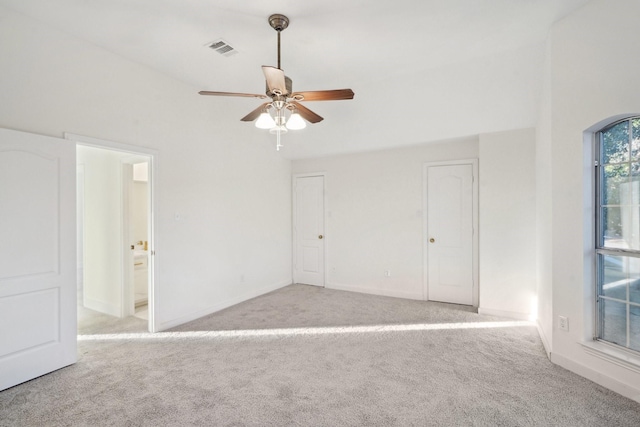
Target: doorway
(450,238)
(308,229)
(115,236)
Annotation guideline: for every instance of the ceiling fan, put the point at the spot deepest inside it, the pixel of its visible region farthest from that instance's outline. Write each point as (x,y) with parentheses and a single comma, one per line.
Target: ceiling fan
(271,115)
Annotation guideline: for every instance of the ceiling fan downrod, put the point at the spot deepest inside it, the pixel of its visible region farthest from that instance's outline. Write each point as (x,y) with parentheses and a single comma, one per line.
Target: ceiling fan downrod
(279,23)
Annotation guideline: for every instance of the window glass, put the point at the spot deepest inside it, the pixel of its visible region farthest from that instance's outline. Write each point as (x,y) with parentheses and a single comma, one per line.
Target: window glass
(635,139)
(615,143)
(634,288)
(614,176)
(634,327)
(615,280)
(614,319)
(612,227)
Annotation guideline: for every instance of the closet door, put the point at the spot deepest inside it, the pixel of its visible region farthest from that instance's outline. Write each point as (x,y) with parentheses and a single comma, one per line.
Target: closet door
(449,249)
(308,229)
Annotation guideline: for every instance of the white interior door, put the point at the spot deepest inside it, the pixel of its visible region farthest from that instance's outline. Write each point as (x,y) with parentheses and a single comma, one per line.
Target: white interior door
(127,304)
(309,230)
(37,256)
(449,245)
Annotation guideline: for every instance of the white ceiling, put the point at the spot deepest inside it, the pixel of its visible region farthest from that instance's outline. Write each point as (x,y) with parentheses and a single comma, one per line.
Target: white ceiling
(366,45)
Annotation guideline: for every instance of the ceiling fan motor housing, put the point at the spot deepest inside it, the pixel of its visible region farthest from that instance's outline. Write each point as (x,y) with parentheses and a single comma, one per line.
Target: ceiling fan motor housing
(288,87)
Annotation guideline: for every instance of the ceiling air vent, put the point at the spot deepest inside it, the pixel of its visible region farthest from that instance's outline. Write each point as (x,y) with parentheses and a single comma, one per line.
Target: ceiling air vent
(222,47)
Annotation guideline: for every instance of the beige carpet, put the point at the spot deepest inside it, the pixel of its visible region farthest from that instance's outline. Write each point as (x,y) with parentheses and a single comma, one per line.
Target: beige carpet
(310,356)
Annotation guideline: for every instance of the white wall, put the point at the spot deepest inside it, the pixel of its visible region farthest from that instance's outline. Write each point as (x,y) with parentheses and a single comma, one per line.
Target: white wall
(230,187)
(544,214)
(508,224)
(375,218)
(593,77)
(374,215)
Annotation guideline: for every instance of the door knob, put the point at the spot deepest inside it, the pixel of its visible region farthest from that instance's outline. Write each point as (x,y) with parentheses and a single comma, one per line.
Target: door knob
(432,240)
(320,236)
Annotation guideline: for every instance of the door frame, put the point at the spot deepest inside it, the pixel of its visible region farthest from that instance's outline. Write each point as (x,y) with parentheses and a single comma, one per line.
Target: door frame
(152,156)
(425,225)
(294,206)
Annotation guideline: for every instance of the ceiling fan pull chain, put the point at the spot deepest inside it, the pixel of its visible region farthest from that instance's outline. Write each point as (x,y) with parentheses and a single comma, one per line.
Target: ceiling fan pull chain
(278,144)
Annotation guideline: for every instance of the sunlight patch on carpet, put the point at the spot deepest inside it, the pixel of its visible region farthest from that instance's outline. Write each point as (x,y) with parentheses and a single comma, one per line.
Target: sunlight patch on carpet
(284,332)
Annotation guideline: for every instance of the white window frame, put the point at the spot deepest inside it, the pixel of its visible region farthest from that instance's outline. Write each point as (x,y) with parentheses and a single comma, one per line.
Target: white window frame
(602,250)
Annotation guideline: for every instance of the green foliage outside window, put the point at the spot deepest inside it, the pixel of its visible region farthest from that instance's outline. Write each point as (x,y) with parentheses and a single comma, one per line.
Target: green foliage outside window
(620,168)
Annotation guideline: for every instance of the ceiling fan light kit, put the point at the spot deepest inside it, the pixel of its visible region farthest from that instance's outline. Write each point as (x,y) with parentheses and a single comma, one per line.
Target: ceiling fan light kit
(296,122)
(284,112)
(265,121)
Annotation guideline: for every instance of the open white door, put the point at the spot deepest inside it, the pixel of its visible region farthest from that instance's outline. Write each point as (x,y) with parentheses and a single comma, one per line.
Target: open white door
(37,256)
(127,303)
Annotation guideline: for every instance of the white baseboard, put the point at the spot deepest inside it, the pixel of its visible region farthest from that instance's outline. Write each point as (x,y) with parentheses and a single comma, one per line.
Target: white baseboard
(101,306)
(220,306)
(503,313)
(382,292)
(597,377)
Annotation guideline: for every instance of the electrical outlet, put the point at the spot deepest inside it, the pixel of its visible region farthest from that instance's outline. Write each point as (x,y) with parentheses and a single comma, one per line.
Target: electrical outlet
(563,323)
(387,273)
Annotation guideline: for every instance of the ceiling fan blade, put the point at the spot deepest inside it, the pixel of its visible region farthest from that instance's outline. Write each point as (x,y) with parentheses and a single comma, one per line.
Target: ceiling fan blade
(254,114)
(325,95)
(307,114)
(275,79)
(246,95)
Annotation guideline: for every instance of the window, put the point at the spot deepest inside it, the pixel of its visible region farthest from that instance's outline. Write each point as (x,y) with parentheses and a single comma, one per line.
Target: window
(618,234)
